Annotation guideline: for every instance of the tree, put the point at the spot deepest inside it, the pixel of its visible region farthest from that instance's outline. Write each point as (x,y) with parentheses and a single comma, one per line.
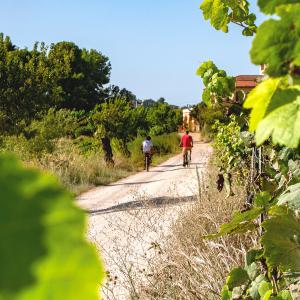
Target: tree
(161,100)
(32,81)
(115,91)
(218,86)
(24,84)
(163,119)
(78,76)
(113,119)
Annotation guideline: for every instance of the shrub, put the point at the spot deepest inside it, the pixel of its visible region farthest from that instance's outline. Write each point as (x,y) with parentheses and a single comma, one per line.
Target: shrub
(41,135)
(163,144)
(84,130)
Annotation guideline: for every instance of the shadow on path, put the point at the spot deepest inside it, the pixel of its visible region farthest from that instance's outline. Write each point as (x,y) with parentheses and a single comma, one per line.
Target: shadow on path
(169,166)
(151,203)
(133,183)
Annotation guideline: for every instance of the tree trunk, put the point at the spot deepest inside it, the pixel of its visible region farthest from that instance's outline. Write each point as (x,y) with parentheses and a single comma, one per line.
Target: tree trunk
(108,154)
(124,148)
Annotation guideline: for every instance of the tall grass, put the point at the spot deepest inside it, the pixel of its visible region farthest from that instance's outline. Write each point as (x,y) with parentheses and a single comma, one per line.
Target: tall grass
(79,163)
(190,267)
(164,144)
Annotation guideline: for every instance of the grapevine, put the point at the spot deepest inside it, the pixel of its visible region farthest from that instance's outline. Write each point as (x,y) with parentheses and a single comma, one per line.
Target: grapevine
(271,269)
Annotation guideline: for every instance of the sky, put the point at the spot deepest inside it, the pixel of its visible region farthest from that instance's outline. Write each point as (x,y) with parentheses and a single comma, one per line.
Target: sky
(154,46)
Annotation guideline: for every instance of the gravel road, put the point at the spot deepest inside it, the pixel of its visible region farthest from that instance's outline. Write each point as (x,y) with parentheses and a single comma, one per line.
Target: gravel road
(131,218)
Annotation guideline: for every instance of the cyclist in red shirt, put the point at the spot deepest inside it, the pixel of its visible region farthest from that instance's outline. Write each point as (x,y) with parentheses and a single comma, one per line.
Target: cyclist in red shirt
(187,144)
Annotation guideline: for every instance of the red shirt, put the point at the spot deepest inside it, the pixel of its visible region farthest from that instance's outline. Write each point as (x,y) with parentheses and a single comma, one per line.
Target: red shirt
(186,141)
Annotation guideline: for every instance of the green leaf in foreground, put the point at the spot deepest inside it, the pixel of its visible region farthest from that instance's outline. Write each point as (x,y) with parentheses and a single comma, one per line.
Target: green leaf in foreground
(43,252)
(282,124)
(285,295)
(269,7)
(262,200)
(240,223)
(277,43)
(291,197)
(217,12)
(281,239)
(255,285)
(237,277)
(259,99)
(226,293)
(265,288)
(275,112)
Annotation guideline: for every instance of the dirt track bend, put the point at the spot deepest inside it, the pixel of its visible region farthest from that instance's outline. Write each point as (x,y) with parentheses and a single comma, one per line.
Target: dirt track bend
(130,215)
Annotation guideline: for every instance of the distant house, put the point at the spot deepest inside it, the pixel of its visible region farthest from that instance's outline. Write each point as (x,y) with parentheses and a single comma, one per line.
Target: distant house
(244,84)
(189,122)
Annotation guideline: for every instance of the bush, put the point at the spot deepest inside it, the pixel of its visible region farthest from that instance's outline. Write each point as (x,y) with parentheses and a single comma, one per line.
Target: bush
(163,144)
(40,137)
(88,145)
(79,163)
(166,143)
(84,130)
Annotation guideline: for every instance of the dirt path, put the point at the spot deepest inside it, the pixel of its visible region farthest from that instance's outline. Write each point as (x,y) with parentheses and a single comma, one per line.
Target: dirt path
(130,218)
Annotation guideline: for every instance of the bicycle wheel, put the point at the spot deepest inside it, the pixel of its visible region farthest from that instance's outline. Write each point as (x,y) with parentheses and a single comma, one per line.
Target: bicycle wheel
(147,162)
(185,162)
(188,160)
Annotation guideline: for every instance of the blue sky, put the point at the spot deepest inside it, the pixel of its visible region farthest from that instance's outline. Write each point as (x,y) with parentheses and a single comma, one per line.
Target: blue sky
(154,46)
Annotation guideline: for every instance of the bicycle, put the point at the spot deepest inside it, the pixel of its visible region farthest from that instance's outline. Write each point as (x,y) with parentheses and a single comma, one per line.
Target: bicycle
(147,161)
(187,159)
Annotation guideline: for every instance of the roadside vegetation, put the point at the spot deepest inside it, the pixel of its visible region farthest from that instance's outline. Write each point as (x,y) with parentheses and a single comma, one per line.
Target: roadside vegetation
(240,244)
(58,113)
(190,267)
(245,245)
(241,240)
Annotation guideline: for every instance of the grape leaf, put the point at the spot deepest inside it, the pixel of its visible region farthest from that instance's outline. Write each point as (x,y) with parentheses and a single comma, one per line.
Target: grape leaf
(269,7)
(285,295)
(281,239)
(217,84)
(264,288)
(267,295)
(277,43)
(262,199)
(221,13)
(259,99)
(240,223)
(226,293)
(291,197)
(205,66)
(254,288)
(206,97)
(217,12)
(237,277)
(44,254)
(252,270)
(252,256)
(282,123)
(282,295)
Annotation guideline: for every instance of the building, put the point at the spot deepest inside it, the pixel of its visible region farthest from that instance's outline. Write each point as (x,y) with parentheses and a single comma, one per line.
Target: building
(243,85)
(189,122)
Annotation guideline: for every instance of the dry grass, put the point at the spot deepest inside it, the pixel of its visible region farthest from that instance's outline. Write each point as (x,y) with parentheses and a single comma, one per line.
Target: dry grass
(193,268)
(157,251)
(80,172)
